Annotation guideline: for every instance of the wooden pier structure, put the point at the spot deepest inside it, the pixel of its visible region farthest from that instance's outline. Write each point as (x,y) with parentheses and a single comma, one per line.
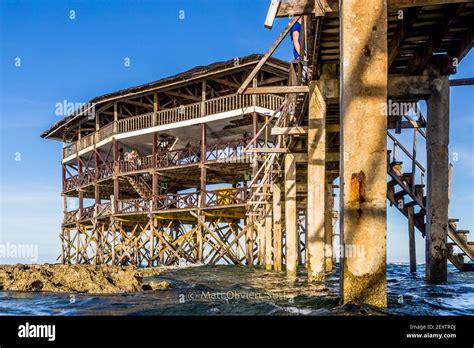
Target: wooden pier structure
(239,162)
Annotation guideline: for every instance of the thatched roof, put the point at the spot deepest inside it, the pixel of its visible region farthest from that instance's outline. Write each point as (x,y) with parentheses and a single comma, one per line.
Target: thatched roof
(187,76)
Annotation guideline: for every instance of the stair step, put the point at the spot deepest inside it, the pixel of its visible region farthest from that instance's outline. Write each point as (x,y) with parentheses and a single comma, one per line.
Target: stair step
(462,231)
(411,204)
(400,194)
(453,220)
(392,183)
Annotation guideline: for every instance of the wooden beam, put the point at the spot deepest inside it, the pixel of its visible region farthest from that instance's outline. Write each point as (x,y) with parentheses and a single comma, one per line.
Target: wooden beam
(461,82)
(425,51)
(182,95)
(290,8)
(409,17)
(277,90)
(304,7)
(131,102)
(272,11)
(298,130)
(268,150)
(267,55)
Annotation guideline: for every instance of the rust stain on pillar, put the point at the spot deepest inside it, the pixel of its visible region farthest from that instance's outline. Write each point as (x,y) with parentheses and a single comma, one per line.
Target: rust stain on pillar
(364,75)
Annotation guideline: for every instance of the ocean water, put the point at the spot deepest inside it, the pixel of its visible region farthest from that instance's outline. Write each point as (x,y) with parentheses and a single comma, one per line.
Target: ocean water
(235,290)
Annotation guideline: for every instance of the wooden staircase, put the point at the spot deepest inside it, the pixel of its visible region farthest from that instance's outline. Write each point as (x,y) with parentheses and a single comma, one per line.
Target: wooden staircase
(141,185)
(404,192)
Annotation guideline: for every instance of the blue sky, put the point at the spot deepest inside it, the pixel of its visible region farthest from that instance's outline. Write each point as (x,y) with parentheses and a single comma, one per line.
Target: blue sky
(77,59)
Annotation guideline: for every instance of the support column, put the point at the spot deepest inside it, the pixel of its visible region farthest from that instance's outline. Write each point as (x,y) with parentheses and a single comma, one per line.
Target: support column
(291,218)
(155,181)
(364,76)
(277,238)
(115,117)
(80,192)
(261,242)
(152,241)
(437,178)
(328,228)
(116,197)
(268,237)
(156,102)
(411,239)
(316,187)
(200,233)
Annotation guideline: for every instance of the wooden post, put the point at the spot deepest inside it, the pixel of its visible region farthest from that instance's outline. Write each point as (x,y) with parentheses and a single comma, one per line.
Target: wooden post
(80,192)
(277,238)
(156,102)
(155,182)
(261,243)
(411,239)
(249,240)
(268,236)
(152,242)
(291,221)
(364,75)
(114,203)
(115,117)
(97,123)
(437,140)
(315,218)
(203,98)
(202,196)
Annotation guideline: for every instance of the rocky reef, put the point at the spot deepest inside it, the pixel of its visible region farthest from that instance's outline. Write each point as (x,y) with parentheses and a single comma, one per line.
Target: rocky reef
(100,279)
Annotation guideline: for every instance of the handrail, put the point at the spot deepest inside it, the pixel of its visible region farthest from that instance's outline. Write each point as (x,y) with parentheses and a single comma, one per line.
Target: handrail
(173,115)
(397,143)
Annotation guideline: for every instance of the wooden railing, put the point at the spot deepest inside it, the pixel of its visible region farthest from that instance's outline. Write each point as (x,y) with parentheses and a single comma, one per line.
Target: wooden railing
(133,205)
(176,201)
(135,165)
(180,157)
(223,197)
(135,123)
(177,114)
(220,152)
(71,216)
(71,183)
(213,198)
(104,132)
(104,209)
(393,156)
(88,212)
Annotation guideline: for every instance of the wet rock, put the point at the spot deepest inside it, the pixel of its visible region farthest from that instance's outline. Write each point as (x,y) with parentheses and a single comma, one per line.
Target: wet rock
(155,285)
(100,279)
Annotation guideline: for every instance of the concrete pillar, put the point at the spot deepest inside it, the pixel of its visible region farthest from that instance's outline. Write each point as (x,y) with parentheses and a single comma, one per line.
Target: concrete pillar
(316,184)
(437,178)
(268,237)
(277,238)
(364,76)
(328,228)
(291,218)
(411,239)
